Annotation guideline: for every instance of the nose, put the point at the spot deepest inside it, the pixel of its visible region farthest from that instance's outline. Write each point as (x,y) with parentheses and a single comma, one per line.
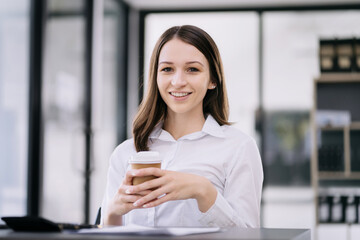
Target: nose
(178,80)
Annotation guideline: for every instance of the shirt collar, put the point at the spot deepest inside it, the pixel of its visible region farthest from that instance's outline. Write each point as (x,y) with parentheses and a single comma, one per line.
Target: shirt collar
(211,127)
(157,130)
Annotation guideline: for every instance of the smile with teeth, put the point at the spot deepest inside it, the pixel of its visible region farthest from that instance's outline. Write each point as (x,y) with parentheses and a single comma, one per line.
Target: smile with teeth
(180,94)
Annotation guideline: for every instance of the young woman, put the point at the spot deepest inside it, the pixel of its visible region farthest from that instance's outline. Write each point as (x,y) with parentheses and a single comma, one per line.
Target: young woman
(211,173)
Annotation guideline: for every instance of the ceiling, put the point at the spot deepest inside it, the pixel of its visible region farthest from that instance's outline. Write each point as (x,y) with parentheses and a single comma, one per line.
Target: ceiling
(209,4)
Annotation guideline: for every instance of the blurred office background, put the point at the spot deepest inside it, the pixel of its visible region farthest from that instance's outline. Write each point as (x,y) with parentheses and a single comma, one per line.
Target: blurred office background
(72,73)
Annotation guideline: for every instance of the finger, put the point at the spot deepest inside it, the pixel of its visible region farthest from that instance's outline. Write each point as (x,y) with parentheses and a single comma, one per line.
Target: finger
(123,189)
(129,198)
(146,186)
(150,197)
(128,177)
(144,193)
(158,201)
(128,207)
(121,194)
(157,172)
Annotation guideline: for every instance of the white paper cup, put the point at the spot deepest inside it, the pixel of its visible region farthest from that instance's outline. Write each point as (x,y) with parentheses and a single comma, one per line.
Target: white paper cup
(144,159)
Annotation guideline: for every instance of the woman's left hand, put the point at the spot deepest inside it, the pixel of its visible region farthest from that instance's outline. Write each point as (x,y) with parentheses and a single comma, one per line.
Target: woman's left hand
(171,185)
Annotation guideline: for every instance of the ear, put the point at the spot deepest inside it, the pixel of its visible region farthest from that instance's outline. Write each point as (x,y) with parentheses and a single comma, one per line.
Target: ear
(211,85)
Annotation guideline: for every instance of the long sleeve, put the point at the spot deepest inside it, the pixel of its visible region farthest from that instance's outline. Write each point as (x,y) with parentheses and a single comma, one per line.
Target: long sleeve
(239,205)
(117,169)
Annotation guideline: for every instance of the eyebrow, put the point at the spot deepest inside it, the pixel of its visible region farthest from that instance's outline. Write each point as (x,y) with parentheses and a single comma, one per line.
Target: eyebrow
(187,63)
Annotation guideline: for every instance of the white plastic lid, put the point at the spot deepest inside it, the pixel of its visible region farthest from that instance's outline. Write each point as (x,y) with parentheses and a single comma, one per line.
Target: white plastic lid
(145,157)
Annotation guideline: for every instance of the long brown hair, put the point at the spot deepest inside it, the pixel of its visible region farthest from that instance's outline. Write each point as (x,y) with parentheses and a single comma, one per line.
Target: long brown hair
(153,109)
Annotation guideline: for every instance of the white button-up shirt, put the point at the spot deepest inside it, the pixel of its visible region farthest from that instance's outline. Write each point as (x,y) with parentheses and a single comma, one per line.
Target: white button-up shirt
(223,154)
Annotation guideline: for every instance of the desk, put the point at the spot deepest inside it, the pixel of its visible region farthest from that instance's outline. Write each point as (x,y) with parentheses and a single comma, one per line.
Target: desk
(232,233)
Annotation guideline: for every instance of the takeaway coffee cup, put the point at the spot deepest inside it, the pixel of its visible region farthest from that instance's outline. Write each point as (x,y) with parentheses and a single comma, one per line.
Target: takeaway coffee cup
(145,159)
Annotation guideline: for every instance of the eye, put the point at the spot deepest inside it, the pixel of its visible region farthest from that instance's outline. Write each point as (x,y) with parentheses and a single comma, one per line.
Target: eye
(166,69)
(193,69)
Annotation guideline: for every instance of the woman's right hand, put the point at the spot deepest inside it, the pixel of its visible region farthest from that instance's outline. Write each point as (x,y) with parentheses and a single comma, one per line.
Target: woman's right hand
(122,202)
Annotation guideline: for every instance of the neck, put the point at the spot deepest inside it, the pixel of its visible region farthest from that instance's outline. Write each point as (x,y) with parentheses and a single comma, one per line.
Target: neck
(179,125)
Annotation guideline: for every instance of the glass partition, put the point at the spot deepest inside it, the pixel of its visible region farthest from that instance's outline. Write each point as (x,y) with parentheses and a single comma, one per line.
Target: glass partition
(63,113)
(64,105)
(14,103)
(107,100)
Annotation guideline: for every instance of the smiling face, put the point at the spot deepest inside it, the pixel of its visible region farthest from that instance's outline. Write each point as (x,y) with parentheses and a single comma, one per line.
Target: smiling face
(183,78)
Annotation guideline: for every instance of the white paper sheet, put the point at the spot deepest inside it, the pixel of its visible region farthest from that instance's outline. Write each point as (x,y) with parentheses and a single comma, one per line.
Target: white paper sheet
(142,230)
